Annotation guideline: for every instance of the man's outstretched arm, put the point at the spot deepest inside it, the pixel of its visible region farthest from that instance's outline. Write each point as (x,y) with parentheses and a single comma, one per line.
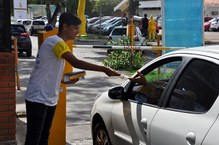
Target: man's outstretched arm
(75,62)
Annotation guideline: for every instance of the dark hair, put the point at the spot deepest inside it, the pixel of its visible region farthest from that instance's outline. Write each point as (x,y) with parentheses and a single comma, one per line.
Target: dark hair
(145,15)
(69,19)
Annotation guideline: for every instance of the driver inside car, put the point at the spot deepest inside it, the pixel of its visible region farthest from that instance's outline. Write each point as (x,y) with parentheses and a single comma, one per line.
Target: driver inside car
(149,91)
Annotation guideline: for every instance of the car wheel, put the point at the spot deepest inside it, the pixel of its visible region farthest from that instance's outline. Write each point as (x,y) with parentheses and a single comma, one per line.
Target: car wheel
(29,53)
(100,136)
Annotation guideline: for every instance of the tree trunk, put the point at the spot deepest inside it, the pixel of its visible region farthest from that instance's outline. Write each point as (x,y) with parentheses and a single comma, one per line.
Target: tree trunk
(131,8)
(133,5)
(55,14)
(52,19)
(48,11)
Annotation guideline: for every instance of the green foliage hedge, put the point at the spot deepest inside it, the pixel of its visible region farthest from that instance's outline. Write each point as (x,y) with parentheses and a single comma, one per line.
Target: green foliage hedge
(125,60)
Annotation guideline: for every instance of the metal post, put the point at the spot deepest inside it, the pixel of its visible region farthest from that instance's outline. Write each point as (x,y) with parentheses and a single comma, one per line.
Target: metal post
(100,15)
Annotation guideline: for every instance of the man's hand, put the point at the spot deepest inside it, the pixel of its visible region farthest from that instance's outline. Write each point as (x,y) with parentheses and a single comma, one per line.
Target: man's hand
(111,72)
(140,79)
(73,81)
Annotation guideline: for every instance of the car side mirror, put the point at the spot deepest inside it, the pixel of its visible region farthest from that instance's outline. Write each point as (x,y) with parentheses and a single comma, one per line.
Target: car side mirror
(116,92)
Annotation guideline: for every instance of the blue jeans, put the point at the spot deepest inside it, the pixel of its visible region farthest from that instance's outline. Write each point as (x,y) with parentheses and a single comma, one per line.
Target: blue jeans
(39,122)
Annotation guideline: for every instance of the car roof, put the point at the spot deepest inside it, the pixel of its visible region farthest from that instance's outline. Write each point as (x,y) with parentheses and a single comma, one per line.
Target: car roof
(210,51)
(38,20)
(120,27)
(17,25)
(22,19)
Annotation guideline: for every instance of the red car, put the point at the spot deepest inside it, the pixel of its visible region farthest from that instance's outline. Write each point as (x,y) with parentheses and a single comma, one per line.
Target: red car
(207,24)
(206,19)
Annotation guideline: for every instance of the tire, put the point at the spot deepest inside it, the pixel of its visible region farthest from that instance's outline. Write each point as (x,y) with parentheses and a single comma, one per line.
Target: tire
(100,135)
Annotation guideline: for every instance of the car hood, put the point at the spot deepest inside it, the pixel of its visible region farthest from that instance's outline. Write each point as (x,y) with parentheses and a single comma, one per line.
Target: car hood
(207,23)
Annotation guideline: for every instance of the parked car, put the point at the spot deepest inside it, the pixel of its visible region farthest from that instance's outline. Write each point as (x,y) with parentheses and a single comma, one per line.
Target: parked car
(179,105)
(38,25)
(214,25)
(106,29)
(108,23)
(23,39)
(26,22)
(102,20)
(119,32)
(208,24)
(92,20)
(206,18)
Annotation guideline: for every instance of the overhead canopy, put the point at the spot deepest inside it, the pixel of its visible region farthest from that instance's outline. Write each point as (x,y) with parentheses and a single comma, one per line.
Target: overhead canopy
(123,5)
(149,4)
(211,2)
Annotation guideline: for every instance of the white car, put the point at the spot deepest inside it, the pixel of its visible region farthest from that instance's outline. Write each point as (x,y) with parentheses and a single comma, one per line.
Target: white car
(119,32)
(214,26)
(26,22)
(178,106)
(38,25)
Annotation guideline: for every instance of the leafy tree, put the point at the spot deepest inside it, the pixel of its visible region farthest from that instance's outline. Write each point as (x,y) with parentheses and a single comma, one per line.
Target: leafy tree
(133,5)
(92,7)
(72,6)
(104,7)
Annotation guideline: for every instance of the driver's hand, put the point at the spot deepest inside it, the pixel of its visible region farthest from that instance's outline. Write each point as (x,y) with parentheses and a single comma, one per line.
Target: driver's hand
(140,79)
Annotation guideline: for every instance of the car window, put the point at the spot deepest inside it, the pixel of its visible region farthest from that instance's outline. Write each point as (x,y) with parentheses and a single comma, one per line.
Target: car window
(17,28)
(197,88)
(38,23)
(119,31)
(26,22)
(157,79)
(19,22)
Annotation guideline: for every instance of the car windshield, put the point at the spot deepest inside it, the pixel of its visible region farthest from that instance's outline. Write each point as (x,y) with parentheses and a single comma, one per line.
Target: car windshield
(16,28)
(213,20)
(38,22)
(121,31)
(27,22)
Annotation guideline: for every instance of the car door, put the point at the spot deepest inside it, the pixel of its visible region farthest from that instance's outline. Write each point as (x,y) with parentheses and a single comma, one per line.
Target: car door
(133,115)
(188,113)
(212,136)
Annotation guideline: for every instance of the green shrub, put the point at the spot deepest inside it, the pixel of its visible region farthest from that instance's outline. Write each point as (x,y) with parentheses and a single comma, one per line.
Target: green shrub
(123,41)
(125,60)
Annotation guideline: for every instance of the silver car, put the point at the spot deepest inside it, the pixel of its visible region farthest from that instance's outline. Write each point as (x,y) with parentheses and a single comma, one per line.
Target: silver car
(119,32)
(178,106)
